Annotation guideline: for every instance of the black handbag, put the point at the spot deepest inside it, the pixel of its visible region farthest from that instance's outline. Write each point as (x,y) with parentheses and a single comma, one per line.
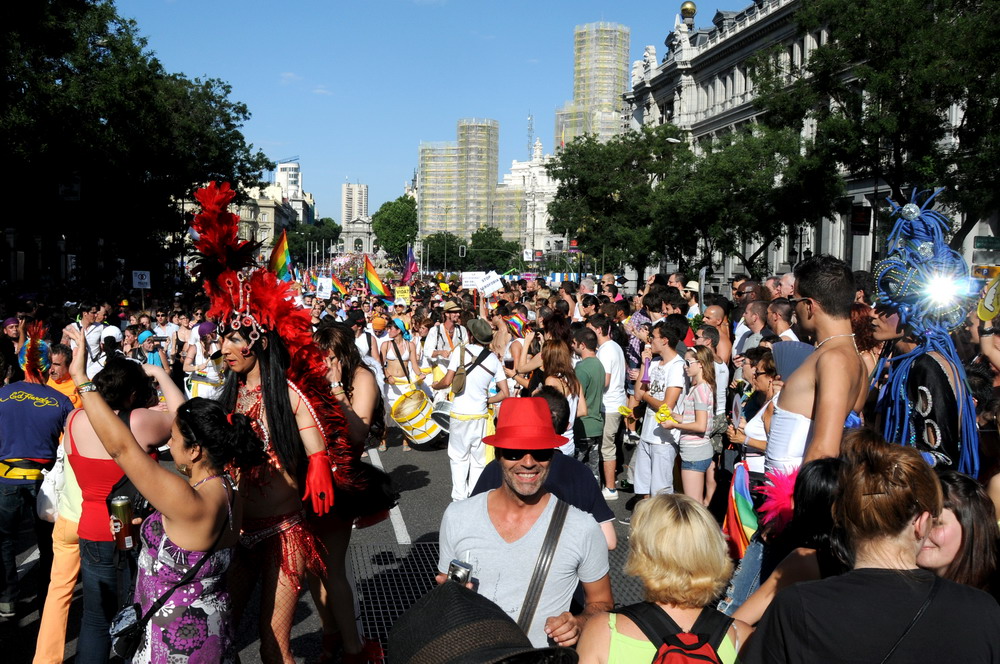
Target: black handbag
(128,627)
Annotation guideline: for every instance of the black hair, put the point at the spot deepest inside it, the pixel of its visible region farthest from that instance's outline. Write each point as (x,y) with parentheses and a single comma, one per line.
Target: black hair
(980,380)
(829,281)
(61,349)
(623,306)
(124,384)
(558,407)
(674,299)
(562,306)
(589,301)
(653,300)
(679,326)
(863,282)
(659,280)
(283,432)
(569,287)
(600,322)
(587,337)
(812,525)
(664,330)
(782,307)
(86,306)
(711,334)
(225,439)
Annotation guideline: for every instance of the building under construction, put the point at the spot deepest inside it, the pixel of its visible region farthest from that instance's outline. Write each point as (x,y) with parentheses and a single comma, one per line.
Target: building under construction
(458,180)
(600,78)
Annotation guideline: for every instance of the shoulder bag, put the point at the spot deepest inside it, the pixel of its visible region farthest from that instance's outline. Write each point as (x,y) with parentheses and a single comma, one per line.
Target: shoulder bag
(128,628)
(542,565)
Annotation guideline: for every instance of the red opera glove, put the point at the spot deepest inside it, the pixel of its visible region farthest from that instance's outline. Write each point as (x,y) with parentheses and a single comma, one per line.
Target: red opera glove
(319,483)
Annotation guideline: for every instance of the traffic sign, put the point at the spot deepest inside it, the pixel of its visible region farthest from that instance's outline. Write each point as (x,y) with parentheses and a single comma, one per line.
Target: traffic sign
(140,279)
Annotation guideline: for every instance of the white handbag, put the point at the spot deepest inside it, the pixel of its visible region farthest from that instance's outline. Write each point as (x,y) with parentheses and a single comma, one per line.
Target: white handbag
(53,483)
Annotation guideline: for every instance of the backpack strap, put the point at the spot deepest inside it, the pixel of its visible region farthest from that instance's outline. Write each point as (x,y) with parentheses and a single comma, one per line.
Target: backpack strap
(714,623)
(652,620)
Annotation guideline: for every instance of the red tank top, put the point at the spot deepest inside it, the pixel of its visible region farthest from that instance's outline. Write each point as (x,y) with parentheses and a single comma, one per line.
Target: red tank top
(96,477)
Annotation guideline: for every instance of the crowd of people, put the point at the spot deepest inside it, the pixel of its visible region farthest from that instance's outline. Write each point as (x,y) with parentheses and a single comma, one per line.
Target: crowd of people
(731,421)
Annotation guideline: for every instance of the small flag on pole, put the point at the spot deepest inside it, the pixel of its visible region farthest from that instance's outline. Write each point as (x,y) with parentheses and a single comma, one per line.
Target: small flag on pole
(281,259)
(339,285)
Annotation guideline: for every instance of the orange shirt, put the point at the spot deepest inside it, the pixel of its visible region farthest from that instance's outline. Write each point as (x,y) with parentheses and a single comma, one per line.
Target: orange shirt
(67,387)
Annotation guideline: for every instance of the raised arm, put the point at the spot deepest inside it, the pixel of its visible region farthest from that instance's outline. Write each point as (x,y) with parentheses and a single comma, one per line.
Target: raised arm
(168,492)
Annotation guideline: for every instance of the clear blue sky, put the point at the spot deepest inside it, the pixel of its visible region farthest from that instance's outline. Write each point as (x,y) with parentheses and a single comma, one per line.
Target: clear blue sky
(352,88)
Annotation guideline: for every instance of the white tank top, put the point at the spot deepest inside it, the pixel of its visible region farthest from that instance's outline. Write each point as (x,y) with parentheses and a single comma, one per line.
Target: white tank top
(787,442)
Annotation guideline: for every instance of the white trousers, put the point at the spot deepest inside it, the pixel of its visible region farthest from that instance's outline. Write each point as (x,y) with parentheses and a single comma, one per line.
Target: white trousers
(653,467)
(467,455)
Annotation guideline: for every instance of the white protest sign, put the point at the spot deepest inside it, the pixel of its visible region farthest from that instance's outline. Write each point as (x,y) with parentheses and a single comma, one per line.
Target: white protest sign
(324,288)
(472,279)
(140,279)
(490,283)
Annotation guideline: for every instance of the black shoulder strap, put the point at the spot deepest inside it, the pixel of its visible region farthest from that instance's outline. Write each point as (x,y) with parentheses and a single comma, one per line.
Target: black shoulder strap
(542,564)
(479,360)
(713,623)
(406,369)
(652,620)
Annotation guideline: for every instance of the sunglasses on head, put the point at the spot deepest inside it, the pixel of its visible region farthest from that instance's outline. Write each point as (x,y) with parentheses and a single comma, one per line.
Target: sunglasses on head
(516,455)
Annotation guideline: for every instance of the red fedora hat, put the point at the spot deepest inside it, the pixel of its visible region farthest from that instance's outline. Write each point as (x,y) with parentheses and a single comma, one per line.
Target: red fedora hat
(525,424)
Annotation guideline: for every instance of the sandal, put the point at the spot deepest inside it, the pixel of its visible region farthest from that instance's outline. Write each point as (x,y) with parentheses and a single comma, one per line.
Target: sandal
(381,446)
(406,446)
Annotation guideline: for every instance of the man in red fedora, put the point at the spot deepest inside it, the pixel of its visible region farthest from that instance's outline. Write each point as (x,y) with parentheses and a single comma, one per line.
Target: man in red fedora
(500,533)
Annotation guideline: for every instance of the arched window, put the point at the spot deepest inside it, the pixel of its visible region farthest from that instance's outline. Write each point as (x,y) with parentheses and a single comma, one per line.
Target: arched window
(359,245)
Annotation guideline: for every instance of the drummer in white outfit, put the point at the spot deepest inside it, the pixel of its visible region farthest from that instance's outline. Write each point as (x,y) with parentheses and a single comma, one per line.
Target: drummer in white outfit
(442,340)
(402,370)
(469,412)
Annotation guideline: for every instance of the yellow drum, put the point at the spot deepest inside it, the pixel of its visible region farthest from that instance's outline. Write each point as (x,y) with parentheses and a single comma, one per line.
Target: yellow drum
(412,412)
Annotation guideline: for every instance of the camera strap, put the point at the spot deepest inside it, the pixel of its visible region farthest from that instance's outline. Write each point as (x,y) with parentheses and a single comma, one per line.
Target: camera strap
(542,565)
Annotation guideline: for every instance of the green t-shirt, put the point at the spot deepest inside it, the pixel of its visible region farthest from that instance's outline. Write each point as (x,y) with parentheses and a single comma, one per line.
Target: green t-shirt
(590,373)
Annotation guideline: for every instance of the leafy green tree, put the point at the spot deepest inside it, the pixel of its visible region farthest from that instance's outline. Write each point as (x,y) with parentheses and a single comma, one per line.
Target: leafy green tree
(325,232)
(442,252)
(884,89)
(605,194)
(109,138)
(748,188)
(395,226)
(489,251)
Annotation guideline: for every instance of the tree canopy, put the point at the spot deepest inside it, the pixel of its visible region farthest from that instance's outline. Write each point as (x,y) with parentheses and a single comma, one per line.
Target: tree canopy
(103,135)
(903,91)
(605,193)
(395,226)
(489,251)
(441,249)
(324,232)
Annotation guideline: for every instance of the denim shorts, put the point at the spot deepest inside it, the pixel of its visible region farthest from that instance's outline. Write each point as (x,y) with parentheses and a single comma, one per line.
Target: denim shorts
(700,466)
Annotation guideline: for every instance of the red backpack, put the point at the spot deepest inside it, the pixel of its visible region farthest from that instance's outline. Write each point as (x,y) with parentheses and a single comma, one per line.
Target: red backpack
(674,645)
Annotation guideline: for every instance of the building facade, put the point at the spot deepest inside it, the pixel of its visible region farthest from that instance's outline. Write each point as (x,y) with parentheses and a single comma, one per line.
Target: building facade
(356,236)
(537,189)
(704,87)
(353,201)
(457,180)
(600,79)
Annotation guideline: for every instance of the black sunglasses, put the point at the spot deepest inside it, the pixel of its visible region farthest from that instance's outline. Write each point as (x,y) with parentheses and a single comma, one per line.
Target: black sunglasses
(516,455)
(794,301)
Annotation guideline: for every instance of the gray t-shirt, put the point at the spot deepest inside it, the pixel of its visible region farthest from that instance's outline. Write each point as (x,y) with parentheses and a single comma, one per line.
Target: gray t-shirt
(504,569)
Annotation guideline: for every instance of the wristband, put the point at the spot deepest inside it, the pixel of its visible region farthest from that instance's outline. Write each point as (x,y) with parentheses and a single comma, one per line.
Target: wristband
(987,331)
(86,387)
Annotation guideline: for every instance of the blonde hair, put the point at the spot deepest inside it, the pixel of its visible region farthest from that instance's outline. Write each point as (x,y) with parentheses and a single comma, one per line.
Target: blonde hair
(678,552)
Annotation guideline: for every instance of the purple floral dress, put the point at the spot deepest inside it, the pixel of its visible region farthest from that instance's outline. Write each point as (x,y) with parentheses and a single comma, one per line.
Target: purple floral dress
(194,624)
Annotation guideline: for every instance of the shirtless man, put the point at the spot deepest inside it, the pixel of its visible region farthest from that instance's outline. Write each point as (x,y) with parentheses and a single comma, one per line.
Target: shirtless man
(716,317)
(810,413)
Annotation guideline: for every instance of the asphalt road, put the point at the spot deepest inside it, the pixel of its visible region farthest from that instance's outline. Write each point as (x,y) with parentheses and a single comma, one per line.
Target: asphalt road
(393,563)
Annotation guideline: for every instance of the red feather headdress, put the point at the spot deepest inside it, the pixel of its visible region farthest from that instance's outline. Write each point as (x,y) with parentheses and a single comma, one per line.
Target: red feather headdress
(35,357)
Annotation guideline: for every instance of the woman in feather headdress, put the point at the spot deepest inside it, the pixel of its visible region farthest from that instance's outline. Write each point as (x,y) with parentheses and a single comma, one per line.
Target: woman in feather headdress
(277,378)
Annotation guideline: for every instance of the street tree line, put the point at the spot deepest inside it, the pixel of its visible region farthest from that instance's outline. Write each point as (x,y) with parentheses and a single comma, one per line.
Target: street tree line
(883,93)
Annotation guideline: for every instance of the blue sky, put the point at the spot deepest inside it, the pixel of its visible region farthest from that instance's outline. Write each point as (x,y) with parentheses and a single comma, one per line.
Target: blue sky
(352,88)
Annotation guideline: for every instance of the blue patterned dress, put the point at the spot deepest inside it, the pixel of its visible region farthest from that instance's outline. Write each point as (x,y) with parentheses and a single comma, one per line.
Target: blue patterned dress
(194,625)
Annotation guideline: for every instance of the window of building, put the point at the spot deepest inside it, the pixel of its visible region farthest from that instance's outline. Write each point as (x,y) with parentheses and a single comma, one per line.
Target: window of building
(359,245)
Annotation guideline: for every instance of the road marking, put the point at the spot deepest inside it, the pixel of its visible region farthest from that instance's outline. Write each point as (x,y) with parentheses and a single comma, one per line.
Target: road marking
(28,562)
(396,516)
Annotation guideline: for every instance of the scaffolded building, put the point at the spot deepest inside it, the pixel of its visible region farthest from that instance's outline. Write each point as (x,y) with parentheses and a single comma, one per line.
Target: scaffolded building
(600,78)
(458,180)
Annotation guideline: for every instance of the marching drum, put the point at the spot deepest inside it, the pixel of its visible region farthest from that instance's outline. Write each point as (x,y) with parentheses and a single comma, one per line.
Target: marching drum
(412,412)
(442,414)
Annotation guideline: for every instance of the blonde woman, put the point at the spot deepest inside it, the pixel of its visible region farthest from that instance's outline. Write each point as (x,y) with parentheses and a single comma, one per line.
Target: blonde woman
(679,555)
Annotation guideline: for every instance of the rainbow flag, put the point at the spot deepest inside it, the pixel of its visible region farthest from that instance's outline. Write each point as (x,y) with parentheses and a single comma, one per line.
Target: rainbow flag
(339,285)
(741,521)
(375,284)
(313,280)
(281,259)
(411,265)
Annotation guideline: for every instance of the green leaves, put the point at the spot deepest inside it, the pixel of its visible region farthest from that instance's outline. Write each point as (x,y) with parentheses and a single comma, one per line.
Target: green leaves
(395,226)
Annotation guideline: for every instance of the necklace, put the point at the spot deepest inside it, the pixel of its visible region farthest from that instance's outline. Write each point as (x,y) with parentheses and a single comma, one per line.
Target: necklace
(834,336)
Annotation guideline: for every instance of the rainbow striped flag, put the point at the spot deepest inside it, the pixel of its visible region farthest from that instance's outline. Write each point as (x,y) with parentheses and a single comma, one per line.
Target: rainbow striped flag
(741,520)
(339,285)
(313,280)
(281,259)
(375,284)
